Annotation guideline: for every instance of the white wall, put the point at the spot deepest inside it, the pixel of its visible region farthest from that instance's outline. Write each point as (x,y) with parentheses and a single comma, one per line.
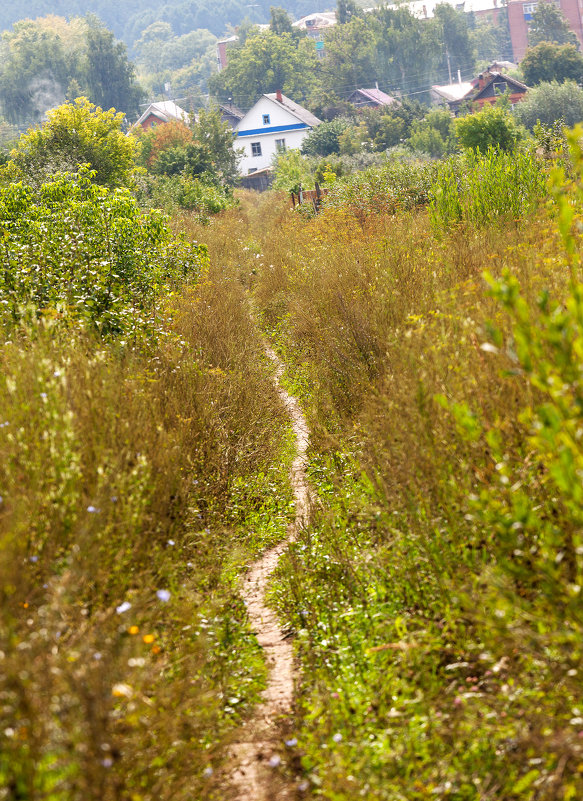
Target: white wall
(253,120)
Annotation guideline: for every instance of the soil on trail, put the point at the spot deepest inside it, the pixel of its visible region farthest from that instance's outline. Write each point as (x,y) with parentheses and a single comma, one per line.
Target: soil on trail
(256,755)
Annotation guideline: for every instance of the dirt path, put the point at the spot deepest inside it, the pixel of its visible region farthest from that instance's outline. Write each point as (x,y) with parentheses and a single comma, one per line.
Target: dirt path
(256,755)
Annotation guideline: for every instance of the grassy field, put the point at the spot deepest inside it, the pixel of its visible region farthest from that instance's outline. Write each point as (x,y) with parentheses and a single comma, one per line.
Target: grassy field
(435,597)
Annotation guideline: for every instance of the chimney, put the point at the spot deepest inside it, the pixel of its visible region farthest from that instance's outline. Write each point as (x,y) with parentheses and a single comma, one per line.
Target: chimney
(481,81)
(278,96)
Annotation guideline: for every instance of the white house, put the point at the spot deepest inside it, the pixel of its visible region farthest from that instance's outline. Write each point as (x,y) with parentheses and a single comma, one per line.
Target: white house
(274,124)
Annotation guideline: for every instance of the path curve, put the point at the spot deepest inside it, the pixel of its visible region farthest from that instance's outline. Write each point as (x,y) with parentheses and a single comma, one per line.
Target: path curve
(256,754)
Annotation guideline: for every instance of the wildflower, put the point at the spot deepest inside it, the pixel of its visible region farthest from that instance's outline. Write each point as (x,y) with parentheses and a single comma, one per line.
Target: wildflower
(123,607)
(207,772)
(171,542)
(92,509)
(121,690)
(163,595)
(133,629)
(292,742)
(275,761)
(97,656)
(337,737)
(148,638)
(107,762)
(303,786)
(43,395)
(32,559)
(457,701)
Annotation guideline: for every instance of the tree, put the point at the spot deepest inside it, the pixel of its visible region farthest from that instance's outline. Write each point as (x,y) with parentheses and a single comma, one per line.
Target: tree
(350,55)
(75,134)
(109,75)
(551,62)
(346,10)
(267,62)
(549,102)
(292,171)
(549,24)
(324,139)
(217,136)
(492,127)
(457,43)
(434,134)
(280,22)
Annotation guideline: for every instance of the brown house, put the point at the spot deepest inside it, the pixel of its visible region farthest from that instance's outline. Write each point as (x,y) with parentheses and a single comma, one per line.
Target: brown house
(493,84)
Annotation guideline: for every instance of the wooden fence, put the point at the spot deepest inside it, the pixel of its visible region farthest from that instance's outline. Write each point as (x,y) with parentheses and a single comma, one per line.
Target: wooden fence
(313,196)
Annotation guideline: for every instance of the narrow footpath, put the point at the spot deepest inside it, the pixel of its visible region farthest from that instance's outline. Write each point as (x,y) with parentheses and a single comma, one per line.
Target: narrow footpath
(256,756)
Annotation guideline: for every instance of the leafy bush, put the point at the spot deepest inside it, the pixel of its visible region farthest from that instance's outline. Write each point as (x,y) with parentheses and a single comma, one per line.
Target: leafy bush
(325,138)
(87,256)
(549,102)
(292,170)
(382,190)
(492,127)
(482,188)
(434,134)
(75,134)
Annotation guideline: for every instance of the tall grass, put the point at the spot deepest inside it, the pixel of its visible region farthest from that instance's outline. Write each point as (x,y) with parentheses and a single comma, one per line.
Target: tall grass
(485,188)
(436,596)
(136,481)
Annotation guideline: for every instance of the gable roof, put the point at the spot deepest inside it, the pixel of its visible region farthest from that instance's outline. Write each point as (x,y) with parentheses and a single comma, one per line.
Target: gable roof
(512,83)
(165,110)
(454,92)
(294,108)
(374,96)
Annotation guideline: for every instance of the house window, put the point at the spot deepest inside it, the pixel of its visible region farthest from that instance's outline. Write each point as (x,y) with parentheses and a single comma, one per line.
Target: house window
(255,148)
(500,87)
(528,10)
(280,145)
(266,119)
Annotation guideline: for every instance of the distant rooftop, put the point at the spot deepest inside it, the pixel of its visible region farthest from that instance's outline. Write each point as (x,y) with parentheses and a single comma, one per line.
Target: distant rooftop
(454,91)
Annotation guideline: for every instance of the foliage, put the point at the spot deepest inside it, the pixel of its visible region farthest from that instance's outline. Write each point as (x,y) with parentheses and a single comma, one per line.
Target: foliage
(435,595)
(161,137)
(457,42)
(434,134)
(549,24)
(267,62)
(84,255)
(292,170)
(136,485)
(48,59)
(550,102)
(75,134)
(325,138)
(484,188)
(493,127)
(551,62)
(110,77)
(393,187)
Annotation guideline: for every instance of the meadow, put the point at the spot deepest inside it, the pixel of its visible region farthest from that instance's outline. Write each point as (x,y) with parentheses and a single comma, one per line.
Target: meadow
(436,595)
(430,320)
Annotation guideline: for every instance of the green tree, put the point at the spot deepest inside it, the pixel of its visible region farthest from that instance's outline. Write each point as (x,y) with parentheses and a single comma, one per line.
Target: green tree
(217,136)
(551,62)
(346,10)
(268,62)
(109,75)
(292,171)
(434,134)
(549,102)
(453,30)
(549,24)
(350,55)
(493,127)
(325,138)
(280,22)
(75,134)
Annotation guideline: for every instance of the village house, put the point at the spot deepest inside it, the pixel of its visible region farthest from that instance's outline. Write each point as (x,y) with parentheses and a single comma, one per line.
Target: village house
(161,112)
(493,84)
(274,124)
(371,98)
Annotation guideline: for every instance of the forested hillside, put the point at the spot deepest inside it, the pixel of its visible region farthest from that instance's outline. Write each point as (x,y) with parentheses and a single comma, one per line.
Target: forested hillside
(129,18)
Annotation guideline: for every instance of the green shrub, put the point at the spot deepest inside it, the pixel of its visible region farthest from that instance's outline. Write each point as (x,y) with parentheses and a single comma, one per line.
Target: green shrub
(85,255)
